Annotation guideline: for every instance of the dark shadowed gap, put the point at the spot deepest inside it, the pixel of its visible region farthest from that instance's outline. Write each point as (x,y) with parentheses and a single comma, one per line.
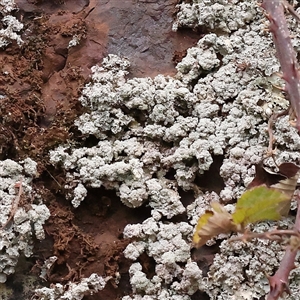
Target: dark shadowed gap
(204,256)
(211,180)
(200,296)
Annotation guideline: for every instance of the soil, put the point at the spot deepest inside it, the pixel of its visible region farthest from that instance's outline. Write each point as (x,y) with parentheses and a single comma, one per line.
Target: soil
(40,84)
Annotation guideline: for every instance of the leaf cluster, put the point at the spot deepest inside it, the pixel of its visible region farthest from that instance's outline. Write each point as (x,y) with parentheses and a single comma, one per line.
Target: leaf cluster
(268,198)
(255,205)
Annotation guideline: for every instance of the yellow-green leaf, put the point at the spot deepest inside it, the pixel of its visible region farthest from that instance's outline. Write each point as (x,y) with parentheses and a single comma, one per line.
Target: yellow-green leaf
(259,204)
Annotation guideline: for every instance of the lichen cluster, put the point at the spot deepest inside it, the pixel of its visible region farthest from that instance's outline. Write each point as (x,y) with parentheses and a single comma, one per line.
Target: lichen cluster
(10,26)
(156,136)
(72,291)
(17,234)
(150,139)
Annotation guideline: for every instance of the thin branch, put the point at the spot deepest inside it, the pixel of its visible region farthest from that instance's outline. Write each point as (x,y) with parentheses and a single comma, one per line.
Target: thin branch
(271,151)
(285,51)
(289,66)
(15,204)
(274,235)
(279,282)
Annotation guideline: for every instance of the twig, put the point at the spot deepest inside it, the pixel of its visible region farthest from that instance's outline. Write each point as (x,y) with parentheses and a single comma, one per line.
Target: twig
(15,204)
(273,118)
(274,235)
(289,65)
(279,281)
(285,51)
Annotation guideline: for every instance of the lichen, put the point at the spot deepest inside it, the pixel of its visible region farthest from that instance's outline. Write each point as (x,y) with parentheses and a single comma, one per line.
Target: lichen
(10,24)
(238,271)
(72,290)
(157,137)
(19,226)
(223,15)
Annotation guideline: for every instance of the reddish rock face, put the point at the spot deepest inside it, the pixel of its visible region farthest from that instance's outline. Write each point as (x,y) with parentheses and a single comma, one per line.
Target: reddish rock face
(140,31)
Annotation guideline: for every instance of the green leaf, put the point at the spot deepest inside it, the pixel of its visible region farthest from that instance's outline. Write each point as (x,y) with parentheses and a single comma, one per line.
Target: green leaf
(259,204)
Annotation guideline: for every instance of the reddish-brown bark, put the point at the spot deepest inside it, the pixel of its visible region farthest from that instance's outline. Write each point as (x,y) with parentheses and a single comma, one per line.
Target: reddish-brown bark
(285,51)
(279,282)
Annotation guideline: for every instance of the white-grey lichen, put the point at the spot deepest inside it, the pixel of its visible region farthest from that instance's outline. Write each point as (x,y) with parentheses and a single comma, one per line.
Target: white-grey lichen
(169,242)
(215,14)
(47,265)
(7,6)
(72,290)
(199,59)
(156,288)
(238,271)
(74,41)
(158,136)
(10,25)
(18,225)
(80,192)
(168,245)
